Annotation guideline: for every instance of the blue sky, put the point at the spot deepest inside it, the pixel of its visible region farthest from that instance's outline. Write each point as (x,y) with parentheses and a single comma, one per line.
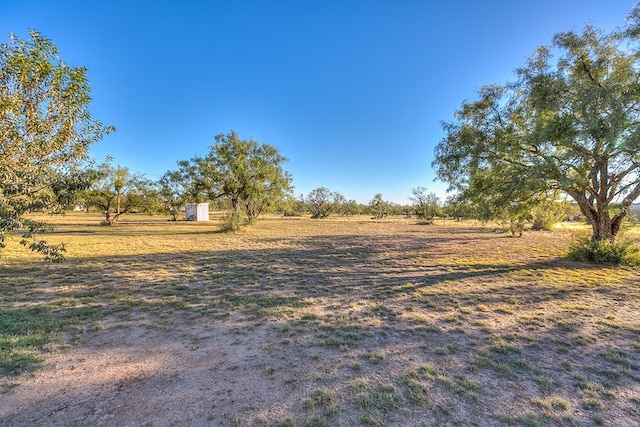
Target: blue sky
(352,92)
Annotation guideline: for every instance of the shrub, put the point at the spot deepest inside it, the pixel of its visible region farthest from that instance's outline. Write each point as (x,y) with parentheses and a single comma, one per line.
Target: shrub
(604,252)
(544,220)
(548,213)
(232,221)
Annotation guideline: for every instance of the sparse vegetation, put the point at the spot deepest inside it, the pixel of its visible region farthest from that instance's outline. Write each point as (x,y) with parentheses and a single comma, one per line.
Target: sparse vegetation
(348,321)
(425,205)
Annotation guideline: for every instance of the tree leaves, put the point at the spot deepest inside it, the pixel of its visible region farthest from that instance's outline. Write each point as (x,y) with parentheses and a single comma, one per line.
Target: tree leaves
(45,131)
(569,123)
(249,174)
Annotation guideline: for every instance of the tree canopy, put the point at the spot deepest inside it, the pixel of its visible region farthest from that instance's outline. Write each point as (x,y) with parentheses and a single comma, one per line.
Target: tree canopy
(321,202)
(425,204)
(249,174)
(116,191)
(45,131)
(379,207)
(569,122)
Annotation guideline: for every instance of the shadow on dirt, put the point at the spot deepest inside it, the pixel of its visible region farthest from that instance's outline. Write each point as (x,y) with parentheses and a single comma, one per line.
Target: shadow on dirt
(500,335)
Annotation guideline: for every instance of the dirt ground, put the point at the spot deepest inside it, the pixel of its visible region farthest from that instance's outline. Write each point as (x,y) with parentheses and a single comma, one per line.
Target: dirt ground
(330,323)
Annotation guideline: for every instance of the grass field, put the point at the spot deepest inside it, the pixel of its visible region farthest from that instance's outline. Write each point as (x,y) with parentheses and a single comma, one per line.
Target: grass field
(296,322)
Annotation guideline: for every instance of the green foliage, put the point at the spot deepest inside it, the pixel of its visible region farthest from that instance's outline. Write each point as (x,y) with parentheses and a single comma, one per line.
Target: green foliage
(545,215)
(542,211)
(513,216)
(177,188)
(46,130)
(569,124)
(348,208)
(457,207)
(233,221)
(54,253)
(378,207)
(344,207)
(116,191)
(603,251)
(290,206)
(248,174)
(321,202)
(425,205)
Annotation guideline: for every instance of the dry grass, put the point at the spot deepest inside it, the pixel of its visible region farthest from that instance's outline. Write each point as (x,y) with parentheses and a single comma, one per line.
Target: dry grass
(332,322)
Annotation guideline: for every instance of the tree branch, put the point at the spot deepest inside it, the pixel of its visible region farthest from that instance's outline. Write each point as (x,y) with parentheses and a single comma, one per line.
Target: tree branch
(588,71)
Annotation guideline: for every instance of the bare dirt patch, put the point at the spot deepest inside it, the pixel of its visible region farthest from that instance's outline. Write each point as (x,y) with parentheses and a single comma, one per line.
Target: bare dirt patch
(336,323)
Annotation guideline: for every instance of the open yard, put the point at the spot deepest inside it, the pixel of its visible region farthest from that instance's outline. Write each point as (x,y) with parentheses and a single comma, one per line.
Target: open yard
(296,322)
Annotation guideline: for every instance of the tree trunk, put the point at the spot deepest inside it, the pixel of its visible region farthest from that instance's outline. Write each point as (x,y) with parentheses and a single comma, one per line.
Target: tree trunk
(606,227)
(107,213)
(603,226)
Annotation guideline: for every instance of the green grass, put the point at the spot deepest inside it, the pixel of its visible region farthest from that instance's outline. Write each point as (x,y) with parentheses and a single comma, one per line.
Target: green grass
(26,331)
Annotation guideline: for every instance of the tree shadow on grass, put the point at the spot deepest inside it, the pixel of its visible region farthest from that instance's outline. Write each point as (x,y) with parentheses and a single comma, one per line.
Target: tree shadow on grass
(504,321)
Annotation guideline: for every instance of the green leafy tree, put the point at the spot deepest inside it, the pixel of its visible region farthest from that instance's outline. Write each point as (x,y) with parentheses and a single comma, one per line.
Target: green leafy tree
(115,191)
(513,216)
(344,207)
(348,207)
(45,131)
(458,207)
(173,202)
(179,187)
(378,207)
(291,206)
(321,202)
(193,181)
(151,200)
(570,124)
(425,205)
(248,174)
(548,212)
(339,200)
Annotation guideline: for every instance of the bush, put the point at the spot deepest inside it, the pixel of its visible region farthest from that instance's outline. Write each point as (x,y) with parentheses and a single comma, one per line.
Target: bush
(232,221)
(547,214)
(604,252)
(544,220)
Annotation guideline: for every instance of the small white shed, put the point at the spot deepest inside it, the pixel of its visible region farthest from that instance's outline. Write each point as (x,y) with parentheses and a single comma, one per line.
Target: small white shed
(197,211)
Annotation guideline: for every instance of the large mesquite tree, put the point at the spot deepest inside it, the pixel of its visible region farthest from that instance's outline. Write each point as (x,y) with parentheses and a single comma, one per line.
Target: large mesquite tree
(248,174)
(45,131)
(571,122)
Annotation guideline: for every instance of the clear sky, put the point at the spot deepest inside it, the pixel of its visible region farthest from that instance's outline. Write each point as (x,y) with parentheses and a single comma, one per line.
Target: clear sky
(351,91)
